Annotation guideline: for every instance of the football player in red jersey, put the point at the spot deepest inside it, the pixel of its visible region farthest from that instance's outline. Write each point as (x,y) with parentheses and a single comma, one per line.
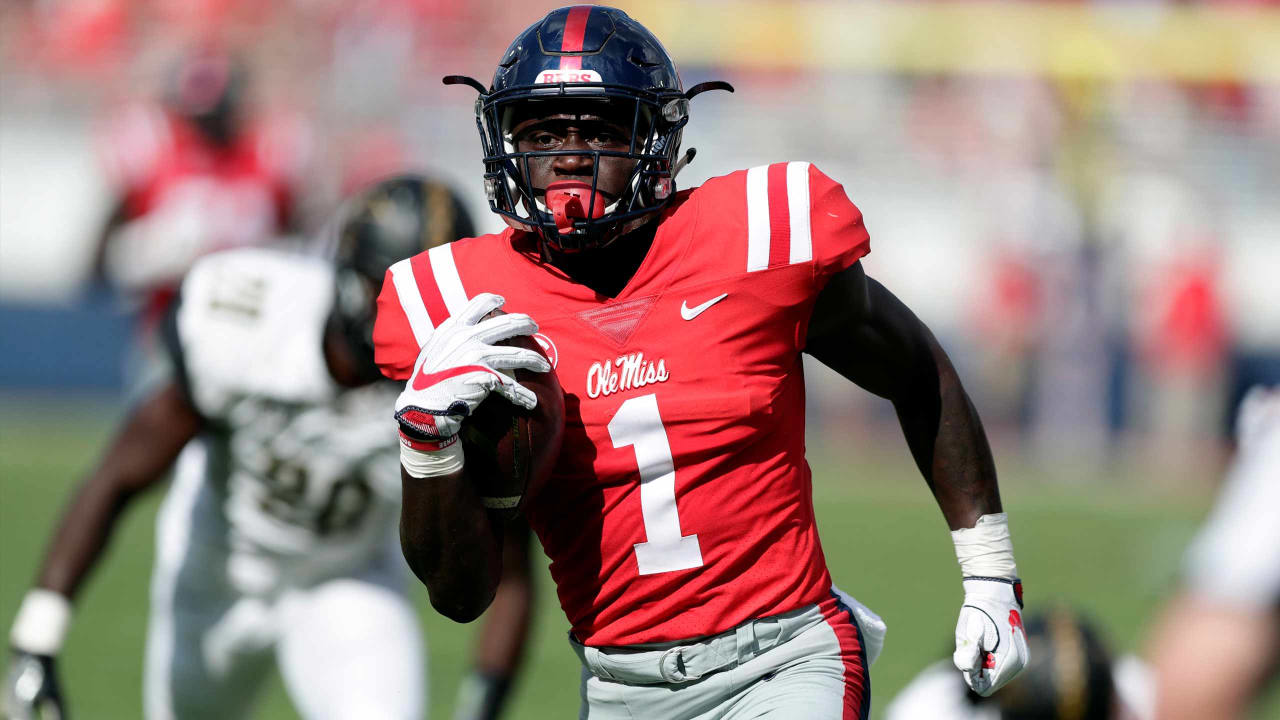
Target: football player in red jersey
(679,518)
(195,174)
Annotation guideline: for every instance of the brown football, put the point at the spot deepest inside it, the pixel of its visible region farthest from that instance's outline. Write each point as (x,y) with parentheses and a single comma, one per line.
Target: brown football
(511,451)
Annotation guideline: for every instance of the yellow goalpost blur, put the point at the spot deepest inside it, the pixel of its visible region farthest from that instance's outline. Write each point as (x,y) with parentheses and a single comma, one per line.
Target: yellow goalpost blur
(1122,41)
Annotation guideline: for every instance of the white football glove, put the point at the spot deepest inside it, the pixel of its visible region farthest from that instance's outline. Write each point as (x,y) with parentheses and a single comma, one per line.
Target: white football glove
(991,645)
(31,684)
(458,368)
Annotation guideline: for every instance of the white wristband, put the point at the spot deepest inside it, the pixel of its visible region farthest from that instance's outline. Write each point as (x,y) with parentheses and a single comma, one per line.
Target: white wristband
(431,463)
(985,550)
(42,622)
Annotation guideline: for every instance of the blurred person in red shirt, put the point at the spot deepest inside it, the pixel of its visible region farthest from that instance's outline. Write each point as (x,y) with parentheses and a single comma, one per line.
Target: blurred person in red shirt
(195,173)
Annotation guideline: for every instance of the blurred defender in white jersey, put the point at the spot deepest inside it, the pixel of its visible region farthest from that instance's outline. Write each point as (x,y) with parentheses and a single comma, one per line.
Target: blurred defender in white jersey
(277,541)
(1217,645)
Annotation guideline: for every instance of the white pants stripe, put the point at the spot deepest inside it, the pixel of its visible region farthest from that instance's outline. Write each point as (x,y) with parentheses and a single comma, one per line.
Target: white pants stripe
(173,538)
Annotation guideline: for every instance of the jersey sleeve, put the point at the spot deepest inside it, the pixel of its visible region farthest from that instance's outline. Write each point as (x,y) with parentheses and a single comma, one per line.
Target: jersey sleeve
(251,325)
(410,306)
(417,294)
(839,236)
(395,348)
(793,216)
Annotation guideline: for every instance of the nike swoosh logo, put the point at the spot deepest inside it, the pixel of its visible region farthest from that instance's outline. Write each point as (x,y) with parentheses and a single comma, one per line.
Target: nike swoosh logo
(422,380)
(689,313)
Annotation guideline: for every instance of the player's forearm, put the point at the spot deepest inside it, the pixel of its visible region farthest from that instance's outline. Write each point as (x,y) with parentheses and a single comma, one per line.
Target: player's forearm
(82,535)
(500,645)
(450,543)
(137,459)
(947,441)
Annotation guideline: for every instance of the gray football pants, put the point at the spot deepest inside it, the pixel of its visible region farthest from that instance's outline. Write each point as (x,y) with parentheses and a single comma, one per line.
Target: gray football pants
(807,664)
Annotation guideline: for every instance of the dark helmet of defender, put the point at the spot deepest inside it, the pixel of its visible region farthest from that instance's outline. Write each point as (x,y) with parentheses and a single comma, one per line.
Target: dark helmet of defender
(1069,676)
(207,88)
(582,54)
(395,219)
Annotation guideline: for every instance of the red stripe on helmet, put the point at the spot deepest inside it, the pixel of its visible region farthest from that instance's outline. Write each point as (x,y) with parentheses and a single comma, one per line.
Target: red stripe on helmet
(575,31)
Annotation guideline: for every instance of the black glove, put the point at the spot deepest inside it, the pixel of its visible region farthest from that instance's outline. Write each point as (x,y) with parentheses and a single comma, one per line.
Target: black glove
(31,688)
(482,696)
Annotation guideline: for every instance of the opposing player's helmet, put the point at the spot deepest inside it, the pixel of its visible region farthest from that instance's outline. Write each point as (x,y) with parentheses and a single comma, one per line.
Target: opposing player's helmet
(580,53)
(395,219)
(1069,675)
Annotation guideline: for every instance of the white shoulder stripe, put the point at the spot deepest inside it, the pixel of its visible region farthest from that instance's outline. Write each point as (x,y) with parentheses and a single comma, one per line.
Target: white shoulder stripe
(798,210)
(758,218)
(411,301)
(447,278)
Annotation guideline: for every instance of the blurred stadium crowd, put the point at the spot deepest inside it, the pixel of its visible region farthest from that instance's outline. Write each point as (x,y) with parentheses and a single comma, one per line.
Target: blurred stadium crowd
(1079,197)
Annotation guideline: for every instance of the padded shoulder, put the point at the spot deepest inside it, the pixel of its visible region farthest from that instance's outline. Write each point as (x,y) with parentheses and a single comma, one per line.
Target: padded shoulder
(780,215)
(419,293)
(251,323)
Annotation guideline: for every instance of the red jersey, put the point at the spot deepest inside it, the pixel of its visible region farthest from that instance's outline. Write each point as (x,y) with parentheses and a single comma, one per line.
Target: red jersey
(241,193)
(215,197)
(681,504)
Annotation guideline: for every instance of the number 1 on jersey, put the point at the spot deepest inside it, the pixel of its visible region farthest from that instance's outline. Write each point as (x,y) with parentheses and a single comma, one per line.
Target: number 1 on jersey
(638,424)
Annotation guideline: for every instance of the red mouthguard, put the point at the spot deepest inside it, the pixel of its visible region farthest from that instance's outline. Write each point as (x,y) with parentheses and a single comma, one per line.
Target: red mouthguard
(568,199)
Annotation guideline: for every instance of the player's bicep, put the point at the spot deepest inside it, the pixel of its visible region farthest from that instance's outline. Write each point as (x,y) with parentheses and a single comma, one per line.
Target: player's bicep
(865,333)
(843,302)
(149,441)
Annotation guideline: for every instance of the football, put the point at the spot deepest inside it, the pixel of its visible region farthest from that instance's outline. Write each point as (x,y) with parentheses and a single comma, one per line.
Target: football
(511,451)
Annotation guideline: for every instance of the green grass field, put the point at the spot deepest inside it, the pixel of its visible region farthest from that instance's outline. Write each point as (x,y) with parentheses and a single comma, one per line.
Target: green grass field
(1108,545)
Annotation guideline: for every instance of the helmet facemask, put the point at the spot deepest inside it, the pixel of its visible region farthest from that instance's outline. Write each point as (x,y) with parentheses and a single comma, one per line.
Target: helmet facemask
(579,55)
(581,214)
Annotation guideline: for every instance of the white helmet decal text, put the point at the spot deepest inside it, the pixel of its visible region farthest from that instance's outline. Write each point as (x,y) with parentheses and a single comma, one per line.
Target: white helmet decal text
(568,76)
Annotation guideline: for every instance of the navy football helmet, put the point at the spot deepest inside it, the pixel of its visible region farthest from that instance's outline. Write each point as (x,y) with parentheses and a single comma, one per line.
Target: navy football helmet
(579,53)
(395,219)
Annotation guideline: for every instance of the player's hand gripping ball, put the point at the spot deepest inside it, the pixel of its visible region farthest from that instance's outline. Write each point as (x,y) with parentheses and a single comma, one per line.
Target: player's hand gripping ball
(511,441)
(461,363)
(511,449)
(991,645)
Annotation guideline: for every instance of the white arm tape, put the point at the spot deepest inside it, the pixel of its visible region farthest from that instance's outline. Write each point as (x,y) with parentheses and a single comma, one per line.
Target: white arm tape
(431,463)
(985,550)
(42,622)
